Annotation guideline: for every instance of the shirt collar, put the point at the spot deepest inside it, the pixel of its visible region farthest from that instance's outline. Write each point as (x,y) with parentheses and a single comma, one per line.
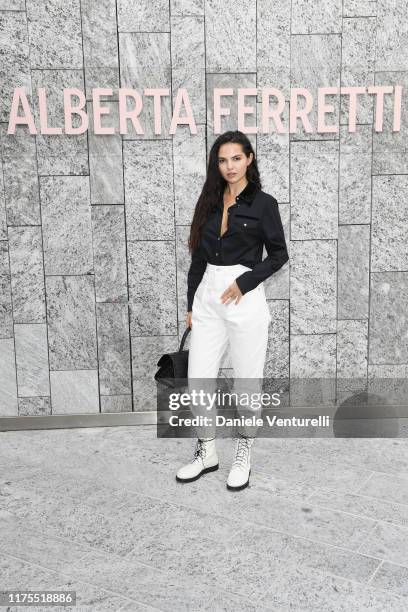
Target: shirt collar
(247,194)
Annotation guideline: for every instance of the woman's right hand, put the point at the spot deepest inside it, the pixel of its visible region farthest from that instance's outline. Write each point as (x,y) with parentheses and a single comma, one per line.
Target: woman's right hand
(189,319)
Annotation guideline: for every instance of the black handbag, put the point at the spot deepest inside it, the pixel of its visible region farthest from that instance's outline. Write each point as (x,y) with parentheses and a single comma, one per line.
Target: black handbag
(173,366)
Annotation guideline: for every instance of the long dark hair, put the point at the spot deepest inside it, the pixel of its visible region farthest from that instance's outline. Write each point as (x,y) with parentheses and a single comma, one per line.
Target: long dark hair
(214,185)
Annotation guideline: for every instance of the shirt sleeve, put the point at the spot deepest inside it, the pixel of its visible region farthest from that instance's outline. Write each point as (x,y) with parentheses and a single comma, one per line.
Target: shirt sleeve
(275,244)
(195,274)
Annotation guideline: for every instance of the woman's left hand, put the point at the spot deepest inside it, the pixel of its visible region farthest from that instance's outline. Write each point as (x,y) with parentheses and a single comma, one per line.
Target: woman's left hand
(231,293)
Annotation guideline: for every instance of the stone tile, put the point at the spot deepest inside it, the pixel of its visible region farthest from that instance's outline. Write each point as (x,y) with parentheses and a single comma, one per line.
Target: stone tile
(277,354)
(150,17)
(309,391)
(230,601)
(392,52)
(99,34)
(313,356)
(152,297)
(6,309)
(32,360)
(187,7)
(230,44)
(109,253)
(12,5)
(113,349)
(306,520)
(388,371)
(389,147)
(37,548)
(189,166)
(88,596)
(146,352)
(15,66)
(105,158)
(315,62)
(27,274)
(387,334)
(116,403)
(34,406)
(17,574)
(102,77)
(233,81)
(322,17)
(363,506)
(145,64)
(149,209)
(353,271)
(20,177)
(355,175)
(359,8)
(3,220)
(274,157)
(71,322)
(55,34)
(391,577)
(8,386)
(343,563)
(319,591)
(314,184)
(74,392)
(388,542)
(389,231)
(392,489)
(386,455)
(323,463)
(188,61)
(313,288)
(66,217)
(352,339)
(57,154)
(141,582)
(358,65)
(273,45)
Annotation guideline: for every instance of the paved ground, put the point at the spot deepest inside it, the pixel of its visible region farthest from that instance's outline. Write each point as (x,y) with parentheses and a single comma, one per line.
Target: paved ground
(323,526)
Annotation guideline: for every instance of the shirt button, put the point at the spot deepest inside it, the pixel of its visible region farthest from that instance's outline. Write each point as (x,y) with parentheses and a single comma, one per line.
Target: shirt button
(244,223)
(218,238)
(216,253)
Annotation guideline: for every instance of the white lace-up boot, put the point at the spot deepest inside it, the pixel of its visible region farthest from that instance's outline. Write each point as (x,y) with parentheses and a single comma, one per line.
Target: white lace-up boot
(238,478)
(205,460)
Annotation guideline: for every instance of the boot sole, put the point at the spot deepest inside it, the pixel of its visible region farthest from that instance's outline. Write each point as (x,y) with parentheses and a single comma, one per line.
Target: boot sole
(230,488)
(213,468)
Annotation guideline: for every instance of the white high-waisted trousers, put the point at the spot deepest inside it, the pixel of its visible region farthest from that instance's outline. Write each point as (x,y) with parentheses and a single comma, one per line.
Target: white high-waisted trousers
(244,326)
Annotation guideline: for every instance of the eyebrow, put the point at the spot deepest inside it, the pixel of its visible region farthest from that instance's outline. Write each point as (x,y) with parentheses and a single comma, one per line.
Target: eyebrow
(236,155)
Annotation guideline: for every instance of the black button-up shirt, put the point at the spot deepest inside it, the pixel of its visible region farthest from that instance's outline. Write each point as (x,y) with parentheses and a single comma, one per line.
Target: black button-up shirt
(253,221)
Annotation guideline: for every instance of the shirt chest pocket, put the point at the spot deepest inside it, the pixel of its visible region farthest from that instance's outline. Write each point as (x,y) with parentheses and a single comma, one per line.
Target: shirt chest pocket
(247,224)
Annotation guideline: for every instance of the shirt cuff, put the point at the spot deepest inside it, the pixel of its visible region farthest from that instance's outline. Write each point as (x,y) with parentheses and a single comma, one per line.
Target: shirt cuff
(246,282)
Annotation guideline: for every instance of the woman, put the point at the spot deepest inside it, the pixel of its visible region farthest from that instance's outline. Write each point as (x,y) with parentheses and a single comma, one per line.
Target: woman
(226,301)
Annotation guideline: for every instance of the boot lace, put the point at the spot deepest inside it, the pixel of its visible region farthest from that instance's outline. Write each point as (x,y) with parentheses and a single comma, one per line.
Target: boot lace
(200,449)
(242,452)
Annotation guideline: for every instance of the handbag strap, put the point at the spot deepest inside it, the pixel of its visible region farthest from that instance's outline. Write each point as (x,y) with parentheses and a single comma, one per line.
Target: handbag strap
(184,338)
